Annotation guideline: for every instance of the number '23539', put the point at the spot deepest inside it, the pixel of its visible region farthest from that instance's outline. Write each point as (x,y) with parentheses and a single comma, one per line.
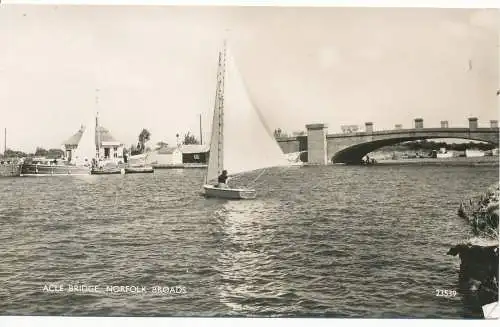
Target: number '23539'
(446,293)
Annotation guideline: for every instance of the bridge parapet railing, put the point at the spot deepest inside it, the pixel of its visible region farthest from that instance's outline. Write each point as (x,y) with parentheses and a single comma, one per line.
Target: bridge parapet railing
(399,131)
(417,130)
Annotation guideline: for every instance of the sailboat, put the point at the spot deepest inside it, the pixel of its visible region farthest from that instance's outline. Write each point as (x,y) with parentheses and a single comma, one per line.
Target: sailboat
(87,147)
(240,141)
(80,162)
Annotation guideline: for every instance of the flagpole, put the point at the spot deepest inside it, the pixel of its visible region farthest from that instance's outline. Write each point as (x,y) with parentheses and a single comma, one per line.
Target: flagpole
(201,132)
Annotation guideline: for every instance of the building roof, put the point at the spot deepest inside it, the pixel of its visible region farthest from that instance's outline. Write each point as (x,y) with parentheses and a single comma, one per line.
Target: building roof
(104,134)
(194,148)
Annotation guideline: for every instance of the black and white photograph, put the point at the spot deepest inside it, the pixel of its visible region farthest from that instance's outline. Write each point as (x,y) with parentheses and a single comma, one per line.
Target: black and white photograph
(230,161)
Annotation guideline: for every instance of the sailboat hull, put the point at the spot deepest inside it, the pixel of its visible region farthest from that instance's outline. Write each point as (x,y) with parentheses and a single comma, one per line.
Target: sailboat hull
(212,191)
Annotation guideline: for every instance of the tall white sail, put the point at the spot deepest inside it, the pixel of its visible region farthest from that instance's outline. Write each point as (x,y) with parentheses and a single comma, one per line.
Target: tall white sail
(215,154)
(87,149)
(247,144)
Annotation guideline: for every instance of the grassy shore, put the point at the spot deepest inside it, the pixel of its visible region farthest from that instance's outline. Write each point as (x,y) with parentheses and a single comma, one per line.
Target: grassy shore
(482,213)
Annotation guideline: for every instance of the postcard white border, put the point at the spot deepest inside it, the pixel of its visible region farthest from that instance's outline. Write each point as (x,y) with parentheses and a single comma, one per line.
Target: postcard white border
(15,321)
(299,3)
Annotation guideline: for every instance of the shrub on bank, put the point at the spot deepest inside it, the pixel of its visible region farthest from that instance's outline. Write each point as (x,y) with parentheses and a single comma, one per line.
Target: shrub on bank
(482,213)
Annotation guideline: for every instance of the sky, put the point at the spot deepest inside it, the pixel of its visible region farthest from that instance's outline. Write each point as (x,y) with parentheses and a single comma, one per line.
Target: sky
(155,67)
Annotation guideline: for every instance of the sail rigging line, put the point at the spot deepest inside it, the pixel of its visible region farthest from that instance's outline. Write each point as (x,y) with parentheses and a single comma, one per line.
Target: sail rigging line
(258,176)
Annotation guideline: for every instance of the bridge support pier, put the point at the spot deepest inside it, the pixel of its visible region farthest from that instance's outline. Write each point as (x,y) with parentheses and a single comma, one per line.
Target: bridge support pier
(368,127)
(316,144)
(419,123)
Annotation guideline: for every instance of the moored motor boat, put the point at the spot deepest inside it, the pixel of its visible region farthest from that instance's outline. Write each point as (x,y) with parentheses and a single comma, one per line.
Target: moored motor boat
(45,167)
(115,171)
(139,170)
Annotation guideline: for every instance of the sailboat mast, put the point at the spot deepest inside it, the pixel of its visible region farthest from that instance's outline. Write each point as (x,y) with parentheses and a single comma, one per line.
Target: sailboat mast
(216,154)
(201,132)
(221,111)
(97,132)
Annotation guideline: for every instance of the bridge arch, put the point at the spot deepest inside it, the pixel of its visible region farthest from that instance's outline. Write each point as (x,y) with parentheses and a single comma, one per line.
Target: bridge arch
(354,153)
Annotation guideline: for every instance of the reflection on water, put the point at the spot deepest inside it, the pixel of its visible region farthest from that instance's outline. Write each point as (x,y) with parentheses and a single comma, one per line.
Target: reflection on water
(339,241)
(241,222)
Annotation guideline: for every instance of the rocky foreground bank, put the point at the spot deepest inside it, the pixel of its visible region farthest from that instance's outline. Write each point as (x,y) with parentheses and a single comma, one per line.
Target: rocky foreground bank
(478,276)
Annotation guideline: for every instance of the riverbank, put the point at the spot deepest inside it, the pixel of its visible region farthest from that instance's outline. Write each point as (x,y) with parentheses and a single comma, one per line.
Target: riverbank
(478,276)
(180,166)
(456,161)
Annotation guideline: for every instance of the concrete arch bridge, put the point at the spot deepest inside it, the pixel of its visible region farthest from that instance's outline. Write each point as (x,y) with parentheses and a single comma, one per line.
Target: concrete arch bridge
(323,148)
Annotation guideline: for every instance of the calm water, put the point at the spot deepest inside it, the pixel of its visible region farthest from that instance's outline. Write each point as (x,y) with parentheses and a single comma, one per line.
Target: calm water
(336,241)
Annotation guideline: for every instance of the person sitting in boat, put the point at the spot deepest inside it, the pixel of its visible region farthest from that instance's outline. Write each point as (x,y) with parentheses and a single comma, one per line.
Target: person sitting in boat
(223,180)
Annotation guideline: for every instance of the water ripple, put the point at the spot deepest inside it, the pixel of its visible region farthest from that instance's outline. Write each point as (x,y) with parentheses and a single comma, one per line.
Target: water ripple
(319,241)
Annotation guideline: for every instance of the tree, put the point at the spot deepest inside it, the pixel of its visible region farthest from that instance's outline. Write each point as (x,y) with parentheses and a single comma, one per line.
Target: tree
(134,150)
(426,145)
(14,154)
(144,137)
(190,139)
(40,152)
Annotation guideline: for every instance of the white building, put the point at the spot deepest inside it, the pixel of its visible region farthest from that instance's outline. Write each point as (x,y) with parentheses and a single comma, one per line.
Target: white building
(162,156)
(109,148)
(471,153)
(194,153)
(183,154)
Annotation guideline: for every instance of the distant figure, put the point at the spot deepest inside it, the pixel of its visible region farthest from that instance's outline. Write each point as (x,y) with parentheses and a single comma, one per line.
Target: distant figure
(223,179)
